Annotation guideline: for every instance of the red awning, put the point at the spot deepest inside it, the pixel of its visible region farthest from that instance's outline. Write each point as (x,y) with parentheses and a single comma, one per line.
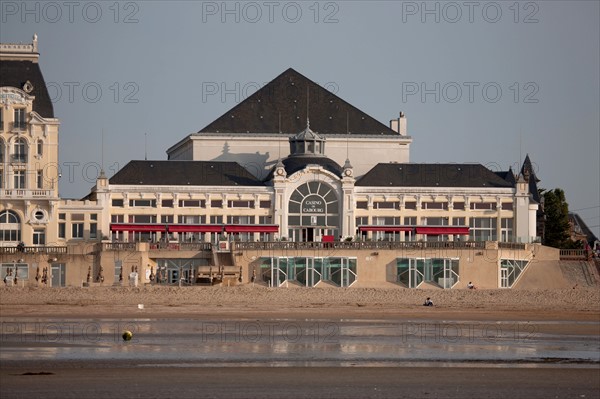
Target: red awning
(195,228)
(385,228)
(439,230)
(252,228)
(137,227)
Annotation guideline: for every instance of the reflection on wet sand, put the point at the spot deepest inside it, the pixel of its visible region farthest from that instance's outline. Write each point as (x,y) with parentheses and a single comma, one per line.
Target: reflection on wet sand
(286,342)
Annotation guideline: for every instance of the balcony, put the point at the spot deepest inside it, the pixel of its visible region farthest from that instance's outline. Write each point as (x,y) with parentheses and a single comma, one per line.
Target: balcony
(18,158)
(18,126)
(33,250)
(24,193)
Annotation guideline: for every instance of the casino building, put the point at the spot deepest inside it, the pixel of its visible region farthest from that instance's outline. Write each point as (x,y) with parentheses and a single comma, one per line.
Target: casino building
(292,186)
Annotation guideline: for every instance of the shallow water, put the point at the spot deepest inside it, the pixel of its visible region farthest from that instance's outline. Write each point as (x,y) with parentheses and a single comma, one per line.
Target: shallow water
(286,342)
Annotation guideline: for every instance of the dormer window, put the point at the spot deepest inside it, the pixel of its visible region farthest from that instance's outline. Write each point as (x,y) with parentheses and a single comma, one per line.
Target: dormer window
(307,143)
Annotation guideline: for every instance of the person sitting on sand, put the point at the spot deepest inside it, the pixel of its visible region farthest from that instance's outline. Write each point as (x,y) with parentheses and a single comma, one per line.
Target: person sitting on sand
(471,286)
(428,302)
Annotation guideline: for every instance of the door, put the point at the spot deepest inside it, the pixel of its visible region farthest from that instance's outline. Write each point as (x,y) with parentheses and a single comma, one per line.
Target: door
(58,274)
(504,277)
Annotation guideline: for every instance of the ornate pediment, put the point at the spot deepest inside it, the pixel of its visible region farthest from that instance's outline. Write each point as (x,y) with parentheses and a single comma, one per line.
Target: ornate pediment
(10,96)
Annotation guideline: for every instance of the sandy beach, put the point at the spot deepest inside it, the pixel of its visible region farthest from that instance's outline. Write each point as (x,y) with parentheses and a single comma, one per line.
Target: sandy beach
(252,301)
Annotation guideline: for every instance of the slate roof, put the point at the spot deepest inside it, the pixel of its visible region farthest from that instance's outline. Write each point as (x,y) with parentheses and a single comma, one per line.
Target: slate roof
(280,106)
(183,173)
(297,163)
(528,172)
(16,73)
(507,175)
(591,237)
(431,175)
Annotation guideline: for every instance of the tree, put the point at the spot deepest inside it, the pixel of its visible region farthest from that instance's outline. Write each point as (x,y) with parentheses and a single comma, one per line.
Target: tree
(556,228)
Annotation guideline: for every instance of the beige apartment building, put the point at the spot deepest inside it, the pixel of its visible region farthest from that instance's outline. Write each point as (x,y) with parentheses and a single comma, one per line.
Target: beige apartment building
(292,186)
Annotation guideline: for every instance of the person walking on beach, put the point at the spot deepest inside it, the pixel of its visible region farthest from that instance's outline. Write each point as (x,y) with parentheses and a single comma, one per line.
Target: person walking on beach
(428,302)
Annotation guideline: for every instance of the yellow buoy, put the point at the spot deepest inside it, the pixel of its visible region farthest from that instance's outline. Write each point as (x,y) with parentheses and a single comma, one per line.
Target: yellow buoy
(127,335)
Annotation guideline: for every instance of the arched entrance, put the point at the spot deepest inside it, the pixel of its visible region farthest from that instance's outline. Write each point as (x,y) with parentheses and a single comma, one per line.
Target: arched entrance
(313,213)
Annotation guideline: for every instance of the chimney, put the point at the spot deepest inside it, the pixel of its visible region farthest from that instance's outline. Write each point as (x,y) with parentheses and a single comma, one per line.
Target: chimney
(399,125)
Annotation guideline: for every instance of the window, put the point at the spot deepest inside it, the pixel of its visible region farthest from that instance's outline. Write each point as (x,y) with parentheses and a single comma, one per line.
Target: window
(62,230)
(39,215)
(216,219)
(117,218)
(39,237)
(2,150)
(192,203)
(265,220)
(20,151)
(362,204)
(506,229)
(386,205)
(458,206)
(22,271)
(142,219)
(265,204)
(77,230)
(435,221)
(410,205)
(507,206)
(142,203)
(240,219)
(19,120)
(62,226)
(10,226)
(240,204)
(191,219)
(362,221)
(19,179)
(117,202)
(386,221)
(458,222)
(93,230)
(40,179)
(1,119)
(93,216)
(40,147)
(216,204)
(167,203)
(510,269)
(483,205)
(411,272)
(410,220)
(166,218)
(483,229)
(435,205)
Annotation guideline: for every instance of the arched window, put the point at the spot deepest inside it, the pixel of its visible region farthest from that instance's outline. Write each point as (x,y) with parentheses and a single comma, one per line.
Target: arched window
(20,151)
(10,226)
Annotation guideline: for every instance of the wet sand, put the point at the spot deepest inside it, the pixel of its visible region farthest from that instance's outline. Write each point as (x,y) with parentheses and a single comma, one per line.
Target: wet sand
(293,382)
(566,313)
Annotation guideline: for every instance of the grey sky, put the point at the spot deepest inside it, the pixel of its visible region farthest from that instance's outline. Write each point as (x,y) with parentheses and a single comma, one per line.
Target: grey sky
(156,61)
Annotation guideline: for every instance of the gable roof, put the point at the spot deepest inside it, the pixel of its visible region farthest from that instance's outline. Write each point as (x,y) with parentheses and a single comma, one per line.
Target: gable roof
(183,173)
(280,106)
(16,73)
(431,175)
